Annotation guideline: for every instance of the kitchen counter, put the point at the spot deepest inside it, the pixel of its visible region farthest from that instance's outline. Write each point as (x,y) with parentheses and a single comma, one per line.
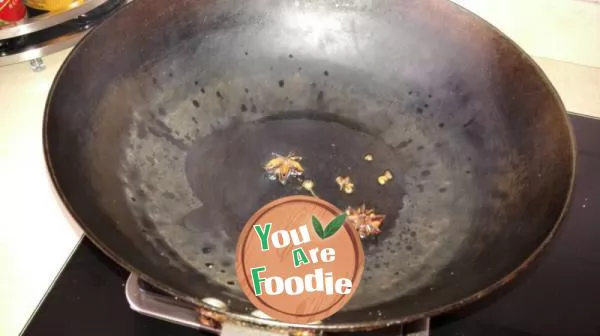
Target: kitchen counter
(38,236)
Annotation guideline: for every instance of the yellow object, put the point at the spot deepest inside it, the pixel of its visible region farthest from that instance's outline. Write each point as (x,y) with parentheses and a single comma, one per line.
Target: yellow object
(282,167)
(51,5)
(308,185)
(385,178)
(345,184)
(388,174)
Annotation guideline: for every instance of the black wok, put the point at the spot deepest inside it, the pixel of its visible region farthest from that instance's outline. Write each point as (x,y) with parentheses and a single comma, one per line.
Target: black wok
(160,120)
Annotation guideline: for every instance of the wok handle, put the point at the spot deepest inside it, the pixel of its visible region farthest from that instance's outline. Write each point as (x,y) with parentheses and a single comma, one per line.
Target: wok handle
(163,308)
(180,312)
(234,329)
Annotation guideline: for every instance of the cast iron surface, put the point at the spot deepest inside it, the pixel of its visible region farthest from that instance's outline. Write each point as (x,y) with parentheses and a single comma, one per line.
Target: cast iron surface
(156,148)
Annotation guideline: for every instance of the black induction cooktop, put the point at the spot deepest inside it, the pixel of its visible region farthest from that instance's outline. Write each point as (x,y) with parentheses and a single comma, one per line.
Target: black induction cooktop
(558,295)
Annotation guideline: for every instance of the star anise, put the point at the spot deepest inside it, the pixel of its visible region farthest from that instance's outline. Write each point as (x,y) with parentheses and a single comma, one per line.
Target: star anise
(281,167)
(364,220)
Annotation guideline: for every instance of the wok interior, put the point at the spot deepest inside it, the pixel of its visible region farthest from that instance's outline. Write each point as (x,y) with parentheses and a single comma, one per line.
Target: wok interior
(157,138)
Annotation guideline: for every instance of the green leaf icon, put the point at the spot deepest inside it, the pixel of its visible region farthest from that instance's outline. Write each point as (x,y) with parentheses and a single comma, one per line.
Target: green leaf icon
(318,227)
(335,225)
(331,228)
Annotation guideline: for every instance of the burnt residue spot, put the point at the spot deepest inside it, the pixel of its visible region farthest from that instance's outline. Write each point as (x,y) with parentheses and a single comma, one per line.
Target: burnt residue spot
(438,144)
(154,81)
(253,108)
(441,125)
(429,95)
(230,283)
(202,90)
(499,194)
(207,249)
(243,108)
(141,131)
(320,96)
(410,93)
(164,131)
(246,90)
(468,123)
(468,172)
(464,99)
(281,83)
(223,271)
(246,53)
(291,102)
(133,199)
(299,69)
(425,173)
(469,158)
(443,190)
(419,110)
(404,144)
(409,248)
(291,56)
(169,195)
(161,111)
(420,147)
(195,120)
(413,234)
(420,187)
(196,103)
(170,74)
(196,83)
(219,95)
(326,73)
(474,133)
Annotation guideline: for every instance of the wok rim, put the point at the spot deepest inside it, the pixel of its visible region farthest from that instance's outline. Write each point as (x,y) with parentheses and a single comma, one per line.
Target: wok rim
(354,326)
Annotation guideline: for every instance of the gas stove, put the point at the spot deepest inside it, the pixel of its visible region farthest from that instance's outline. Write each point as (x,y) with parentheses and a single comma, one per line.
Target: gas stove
(557,295)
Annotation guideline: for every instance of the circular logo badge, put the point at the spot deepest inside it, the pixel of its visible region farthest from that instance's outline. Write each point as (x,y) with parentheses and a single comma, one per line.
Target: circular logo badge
(298,261)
